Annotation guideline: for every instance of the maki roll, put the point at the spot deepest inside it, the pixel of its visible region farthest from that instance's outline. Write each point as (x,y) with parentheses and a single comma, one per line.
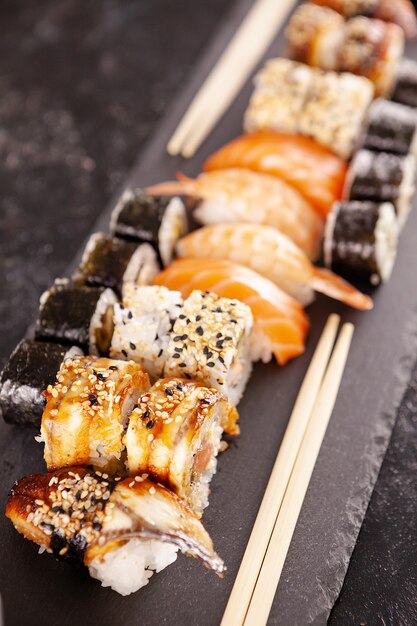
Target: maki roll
(210,343)
(143,324)
(159,221)
(111,262)
(405,90)
(174,435)
(77,315)
(123,531)
(87,411)
(391,127)
(335,111)
(361,239)
(31,367)
(382,177)
(281,88)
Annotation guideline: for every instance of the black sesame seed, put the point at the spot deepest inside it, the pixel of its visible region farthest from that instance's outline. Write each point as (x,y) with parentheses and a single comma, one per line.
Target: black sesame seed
(210,364)
(176,355)
(122,306)
(169,391)
(205,401)
(130,315)
(47,526)
(124,353)
(188,376)
(181,364)
(94,372)
(180,386)
(204,306)
(58,509)
(100,376)
(178,349)
(233,321)
(132,346)
(198,318)
(182,316)
(184,337)
(221,359)
(219,343)
(160,353)
(156,337)
(228,338)
(199,330)
(177,338)
(96,525)
(93,399)
(218,335)
(146,414)
(150,424)
(113,368)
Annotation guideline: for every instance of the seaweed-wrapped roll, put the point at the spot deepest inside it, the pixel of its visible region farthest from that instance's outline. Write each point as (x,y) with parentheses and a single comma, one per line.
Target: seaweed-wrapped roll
(123,531)
(78,315)
(391,127)
(32,366)
(111,262)
(405,90)
(382,177)
(361,239)
(87,411)
(160,221)
(210,343)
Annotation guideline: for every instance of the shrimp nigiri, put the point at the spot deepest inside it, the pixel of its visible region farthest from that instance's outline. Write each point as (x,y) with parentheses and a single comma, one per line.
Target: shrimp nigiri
(316,172)
(274,256)
(280,323)
(239,195)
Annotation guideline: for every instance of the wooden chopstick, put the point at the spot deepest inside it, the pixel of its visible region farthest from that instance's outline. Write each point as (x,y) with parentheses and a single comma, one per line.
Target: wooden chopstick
(246,578)
(229,74)
(269,575)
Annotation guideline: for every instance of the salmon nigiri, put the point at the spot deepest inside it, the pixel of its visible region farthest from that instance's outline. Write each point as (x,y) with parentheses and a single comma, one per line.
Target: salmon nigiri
(316,172)
(274,256)
(239,195)
(280,323)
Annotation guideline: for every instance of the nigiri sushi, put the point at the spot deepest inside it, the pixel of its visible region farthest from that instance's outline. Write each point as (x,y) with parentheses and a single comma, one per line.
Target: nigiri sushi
(274,256)
(123,531)
(315,171)
(239,195)
(280,323)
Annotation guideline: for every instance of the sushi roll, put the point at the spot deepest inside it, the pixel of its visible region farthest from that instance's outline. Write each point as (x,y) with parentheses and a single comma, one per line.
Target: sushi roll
(210,343)
(361,240)
(77,315)
(87,411)
(111,262)
(382,177)
(372,48)
(335,111)
(314,35)
(391,127)
(31,367)
(121,530)
(143,324)
(146,219)
(405,91)
(174,435)
(281,89)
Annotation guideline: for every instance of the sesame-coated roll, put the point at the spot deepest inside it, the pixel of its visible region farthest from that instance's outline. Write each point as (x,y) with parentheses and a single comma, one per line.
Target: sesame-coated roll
(77,315)
(158,221)
(391,127)
(143,324)
(335,111)
(281,88)
(361,240)
(382,177)
(405,90)
(123,531)
(87,412)
(174,435)
(31,367)
(110,262)
(210,343)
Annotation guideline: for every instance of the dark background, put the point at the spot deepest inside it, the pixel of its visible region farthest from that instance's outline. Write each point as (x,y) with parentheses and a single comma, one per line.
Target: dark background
(82,85)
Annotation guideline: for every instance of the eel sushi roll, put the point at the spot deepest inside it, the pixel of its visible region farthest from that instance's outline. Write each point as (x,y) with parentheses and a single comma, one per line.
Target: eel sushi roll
(382,177)
(31,367)
(405,90)
(281,88)
(361,239)
(111,262)
(122,531)
(335,111)
(210,343)
(77,315)
(391,127)
(87,412)
(175,434)
(314,35)
(143,324)
(158,221)
(372,48)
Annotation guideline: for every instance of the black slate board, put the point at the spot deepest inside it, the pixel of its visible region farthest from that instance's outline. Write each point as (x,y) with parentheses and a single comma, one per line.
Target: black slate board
(38,589)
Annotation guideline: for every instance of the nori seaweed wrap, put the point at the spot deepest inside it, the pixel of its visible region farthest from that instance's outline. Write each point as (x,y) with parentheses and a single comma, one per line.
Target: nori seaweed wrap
(361,240)
(77,315)
(160,221)
(391,127)
(109,262)
(382,177)
(31,367)
(405,90)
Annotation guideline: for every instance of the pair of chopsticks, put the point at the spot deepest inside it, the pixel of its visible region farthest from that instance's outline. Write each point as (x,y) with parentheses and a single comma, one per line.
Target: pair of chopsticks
(229,74)
(257,580)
